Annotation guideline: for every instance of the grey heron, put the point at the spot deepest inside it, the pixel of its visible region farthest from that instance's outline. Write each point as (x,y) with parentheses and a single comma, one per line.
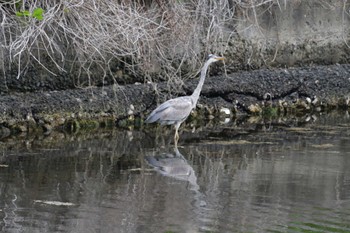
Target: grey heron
(175,111)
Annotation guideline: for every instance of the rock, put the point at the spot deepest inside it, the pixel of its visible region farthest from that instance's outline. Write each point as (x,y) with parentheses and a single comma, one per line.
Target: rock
(254,109)
(4,132)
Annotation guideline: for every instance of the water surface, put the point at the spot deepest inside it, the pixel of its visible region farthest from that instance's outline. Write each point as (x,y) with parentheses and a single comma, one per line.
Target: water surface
(238,177)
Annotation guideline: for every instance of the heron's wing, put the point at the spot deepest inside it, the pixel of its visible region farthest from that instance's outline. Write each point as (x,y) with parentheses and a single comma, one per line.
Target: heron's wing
(171,111)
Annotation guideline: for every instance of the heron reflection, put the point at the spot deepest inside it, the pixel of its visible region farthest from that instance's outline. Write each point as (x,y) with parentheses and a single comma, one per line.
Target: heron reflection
(174,165)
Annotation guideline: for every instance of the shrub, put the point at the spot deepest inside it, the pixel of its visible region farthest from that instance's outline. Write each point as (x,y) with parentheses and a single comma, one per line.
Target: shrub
(96,38)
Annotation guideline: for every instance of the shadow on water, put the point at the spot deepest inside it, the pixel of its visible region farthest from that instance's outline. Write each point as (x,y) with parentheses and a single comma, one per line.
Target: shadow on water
(248,176)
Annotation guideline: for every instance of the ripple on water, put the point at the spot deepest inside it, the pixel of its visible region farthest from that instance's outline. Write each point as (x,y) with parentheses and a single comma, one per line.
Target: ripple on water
(308,218)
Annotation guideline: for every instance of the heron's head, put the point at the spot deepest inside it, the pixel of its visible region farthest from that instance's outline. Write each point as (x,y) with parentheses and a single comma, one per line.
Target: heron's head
(214,58)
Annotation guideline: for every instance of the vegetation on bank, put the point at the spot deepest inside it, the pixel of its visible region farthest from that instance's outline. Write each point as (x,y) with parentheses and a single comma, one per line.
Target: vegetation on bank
(113,37)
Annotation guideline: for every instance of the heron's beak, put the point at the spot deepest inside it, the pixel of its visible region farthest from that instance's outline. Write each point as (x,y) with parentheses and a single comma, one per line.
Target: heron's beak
(220,58)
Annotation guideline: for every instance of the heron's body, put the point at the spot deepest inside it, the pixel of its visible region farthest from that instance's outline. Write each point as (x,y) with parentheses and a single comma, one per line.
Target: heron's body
(175,111)
(172,111)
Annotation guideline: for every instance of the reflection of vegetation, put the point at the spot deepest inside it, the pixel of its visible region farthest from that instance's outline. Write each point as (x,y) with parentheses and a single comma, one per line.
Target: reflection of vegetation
(270,112)
(84,124)
(314,227)
(324,146)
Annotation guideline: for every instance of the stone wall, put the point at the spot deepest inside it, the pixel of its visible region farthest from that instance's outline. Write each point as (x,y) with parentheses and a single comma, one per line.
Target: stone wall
(292,33)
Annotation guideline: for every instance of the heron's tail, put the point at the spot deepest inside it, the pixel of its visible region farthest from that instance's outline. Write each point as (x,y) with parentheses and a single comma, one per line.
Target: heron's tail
(152,118)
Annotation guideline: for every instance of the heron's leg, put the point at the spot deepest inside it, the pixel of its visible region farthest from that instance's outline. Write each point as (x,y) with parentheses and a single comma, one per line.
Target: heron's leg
(176,137)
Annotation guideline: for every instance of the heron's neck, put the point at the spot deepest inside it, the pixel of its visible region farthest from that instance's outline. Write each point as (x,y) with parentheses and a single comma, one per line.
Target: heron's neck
(198,89)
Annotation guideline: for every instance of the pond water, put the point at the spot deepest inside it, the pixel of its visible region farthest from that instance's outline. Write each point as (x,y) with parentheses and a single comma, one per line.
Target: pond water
(243,176)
